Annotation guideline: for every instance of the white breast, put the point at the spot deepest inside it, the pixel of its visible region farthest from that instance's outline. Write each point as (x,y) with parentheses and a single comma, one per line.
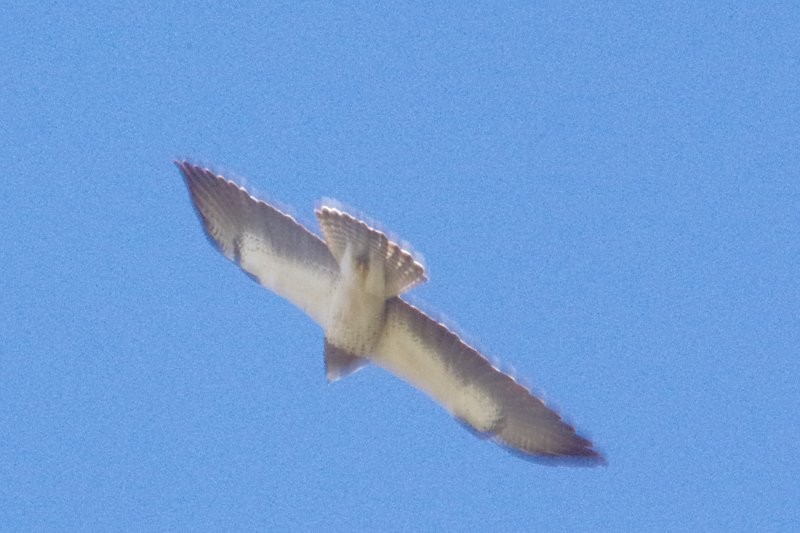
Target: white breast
(356,314)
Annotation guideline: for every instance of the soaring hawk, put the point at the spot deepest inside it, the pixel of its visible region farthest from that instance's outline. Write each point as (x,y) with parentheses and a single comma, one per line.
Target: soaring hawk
(349,282)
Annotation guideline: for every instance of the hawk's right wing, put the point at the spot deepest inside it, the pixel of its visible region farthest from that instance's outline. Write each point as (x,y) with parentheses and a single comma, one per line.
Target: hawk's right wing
(435,360)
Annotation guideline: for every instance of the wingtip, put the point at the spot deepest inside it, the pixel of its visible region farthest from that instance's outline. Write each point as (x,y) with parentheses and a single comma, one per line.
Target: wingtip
(185,167)
(181,163)
(585,458)
(188,168)
(590,456)
(193,173)
(582,454)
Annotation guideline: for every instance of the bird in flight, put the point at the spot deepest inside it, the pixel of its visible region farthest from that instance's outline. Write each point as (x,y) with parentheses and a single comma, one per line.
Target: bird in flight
(349,282)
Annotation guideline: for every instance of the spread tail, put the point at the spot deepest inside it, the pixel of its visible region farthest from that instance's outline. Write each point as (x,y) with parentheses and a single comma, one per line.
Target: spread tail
(402,271)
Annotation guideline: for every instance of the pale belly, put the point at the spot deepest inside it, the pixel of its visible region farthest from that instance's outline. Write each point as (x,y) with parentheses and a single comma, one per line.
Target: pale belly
(355,319)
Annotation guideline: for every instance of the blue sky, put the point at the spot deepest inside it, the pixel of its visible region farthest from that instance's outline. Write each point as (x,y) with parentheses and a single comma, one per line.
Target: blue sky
(606,198)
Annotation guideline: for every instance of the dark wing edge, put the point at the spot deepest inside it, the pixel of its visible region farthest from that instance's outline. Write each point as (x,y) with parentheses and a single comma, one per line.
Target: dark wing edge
(525,425)
(266,243)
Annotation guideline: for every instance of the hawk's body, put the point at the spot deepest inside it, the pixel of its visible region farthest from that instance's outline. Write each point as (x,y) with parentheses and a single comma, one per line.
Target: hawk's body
(350,284)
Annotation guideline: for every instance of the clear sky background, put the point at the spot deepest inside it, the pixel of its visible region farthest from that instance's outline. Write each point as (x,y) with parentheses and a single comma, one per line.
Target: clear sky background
(607,200)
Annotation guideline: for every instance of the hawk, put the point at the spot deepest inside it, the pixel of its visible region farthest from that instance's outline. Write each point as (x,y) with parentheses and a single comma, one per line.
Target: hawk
(349,282)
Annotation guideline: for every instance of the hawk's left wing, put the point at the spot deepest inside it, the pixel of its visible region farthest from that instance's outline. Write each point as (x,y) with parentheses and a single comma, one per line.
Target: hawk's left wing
(269,245)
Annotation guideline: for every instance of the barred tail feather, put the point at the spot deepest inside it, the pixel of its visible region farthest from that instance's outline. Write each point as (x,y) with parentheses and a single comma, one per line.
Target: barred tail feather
(402,270)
